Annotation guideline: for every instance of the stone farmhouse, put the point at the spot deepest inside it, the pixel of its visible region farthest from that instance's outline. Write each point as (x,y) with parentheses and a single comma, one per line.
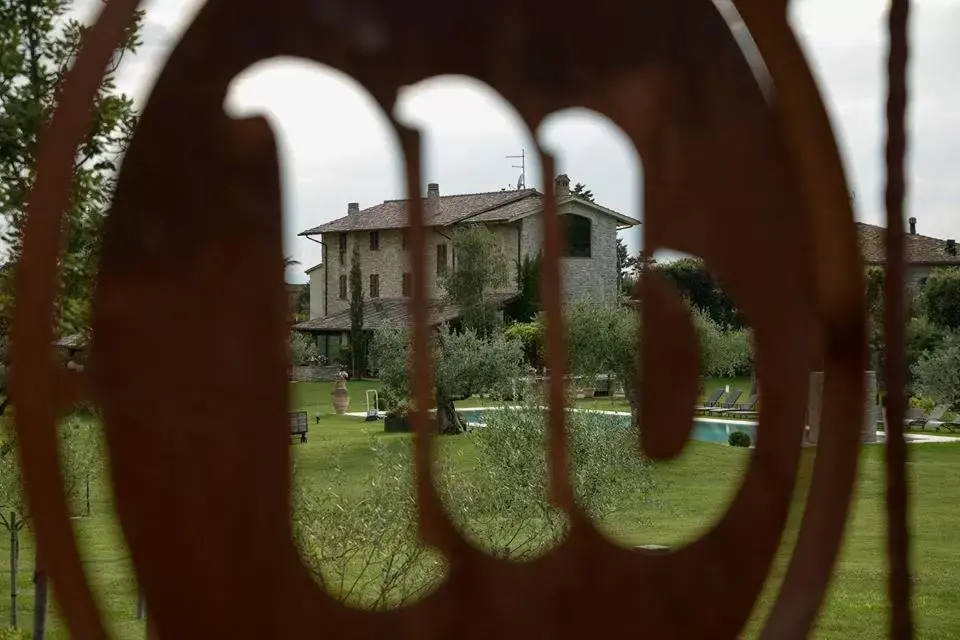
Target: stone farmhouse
(589,263)
(923,254)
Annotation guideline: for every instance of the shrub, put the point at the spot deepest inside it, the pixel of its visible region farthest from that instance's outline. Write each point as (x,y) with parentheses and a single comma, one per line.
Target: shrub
(530,336)
(15,634)
(344,355)
(941,297)
(936,375)
(358,532)
(922,337)
(507,509)
(399,409)
(723,353)
(600,339)
(303,350)
(739,439)
(465,364)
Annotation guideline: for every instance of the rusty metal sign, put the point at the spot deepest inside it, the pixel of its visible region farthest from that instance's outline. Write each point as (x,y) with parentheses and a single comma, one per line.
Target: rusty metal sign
(191,283)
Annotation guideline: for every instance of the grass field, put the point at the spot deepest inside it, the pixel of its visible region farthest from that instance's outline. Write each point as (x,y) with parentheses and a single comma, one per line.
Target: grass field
(694,492)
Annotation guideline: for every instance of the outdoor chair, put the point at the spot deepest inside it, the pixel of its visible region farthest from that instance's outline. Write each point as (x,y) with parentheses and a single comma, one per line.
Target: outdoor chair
(729,404)
(937,422)
(711,401)
(746,410)
(914,416)
(932,419)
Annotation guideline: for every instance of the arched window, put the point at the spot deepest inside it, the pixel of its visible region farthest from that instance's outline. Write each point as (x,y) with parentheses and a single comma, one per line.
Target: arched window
(576,236)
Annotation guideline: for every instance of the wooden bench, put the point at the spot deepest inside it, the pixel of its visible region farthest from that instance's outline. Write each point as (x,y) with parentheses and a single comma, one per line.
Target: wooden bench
(298,425)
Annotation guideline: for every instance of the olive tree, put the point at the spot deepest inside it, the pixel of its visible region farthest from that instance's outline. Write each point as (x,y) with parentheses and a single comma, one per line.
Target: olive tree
(724,353)
(603,338)
(936,374)
(357,530)
(303,350)
(81,462)
(941,297)
(465,364)
(480,268)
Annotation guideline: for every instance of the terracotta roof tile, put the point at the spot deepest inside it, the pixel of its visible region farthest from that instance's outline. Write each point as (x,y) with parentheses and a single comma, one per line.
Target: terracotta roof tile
(510,210)
(392,214)
(918,249)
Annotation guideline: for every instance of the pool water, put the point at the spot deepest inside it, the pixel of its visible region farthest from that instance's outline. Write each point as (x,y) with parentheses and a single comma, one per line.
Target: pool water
(704,429)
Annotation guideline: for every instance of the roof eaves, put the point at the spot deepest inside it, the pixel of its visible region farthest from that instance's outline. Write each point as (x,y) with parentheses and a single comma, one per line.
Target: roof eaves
(626,221)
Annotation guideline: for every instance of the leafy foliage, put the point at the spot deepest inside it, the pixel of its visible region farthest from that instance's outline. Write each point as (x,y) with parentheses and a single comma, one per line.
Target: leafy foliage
(480,269)
(922,337)
(941,297)
(357,350)
(82,460)
(362,545)
(739,439)
(724,353)
(936,374)
(303,350)
(527,304)
(503,501)
(874,297)
(581,191)
(698,286)
(601,338)
(530,336)
(39,42)
(302,307)
(465,364)
(623,262)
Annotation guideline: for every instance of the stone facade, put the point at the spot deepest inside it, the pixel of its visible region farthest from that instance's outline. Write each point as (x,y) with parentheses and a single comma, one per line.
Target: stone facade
(389,262)
(515,218)
(593,278)
(583,278)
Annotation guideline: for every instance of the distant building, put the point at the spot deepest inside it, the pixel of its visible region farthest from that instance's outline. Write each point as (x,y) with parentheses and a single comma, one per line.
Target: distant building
(589,263)
(922,254)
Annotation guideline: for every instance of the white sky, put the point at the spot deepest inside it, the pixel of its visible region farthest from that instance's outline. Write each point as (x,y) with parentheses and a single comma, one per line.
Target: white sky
(335,148)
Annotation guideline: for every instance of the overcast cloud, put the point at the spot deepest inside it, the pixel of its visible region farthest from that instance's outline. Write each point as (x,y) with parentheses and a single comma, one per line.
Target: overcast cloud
(336,148)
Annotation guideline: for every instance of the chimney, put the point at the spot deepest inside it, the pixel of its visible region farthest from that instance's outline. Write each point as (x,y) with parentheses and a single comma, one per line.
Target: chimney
(562,185)
(353,208)
(433,190)
(913,226)
(952,247)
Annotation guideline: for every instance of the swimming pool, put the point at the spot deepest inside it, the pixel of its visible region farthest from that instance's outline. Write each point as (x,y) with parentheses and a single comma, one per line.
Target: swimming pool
(704,429)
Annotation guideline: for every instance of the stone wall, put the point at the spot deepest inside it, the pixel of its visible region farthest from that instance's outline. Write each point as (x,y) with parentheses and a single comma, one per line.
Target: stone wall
(593,278)
(583,278)
(389,262)
(312,374)
(871,411)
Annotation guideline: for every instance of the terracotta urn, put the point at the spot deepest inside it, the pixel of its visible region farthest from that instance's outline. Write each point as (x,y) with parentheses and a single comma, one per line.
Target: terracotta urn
(341,399)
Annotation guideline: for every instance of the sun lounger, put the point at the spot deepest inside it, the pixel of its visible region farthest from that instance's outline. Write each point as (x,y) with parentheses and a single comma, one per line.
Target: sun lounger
(914,416)
(935,420)
(746,410)
(932,419)
(711,402)
(729,404)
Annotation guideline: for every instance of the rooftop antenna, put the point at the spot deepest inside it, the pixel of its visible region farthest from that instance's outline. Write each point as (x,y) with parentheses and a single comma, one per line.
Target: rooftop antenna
(521,183)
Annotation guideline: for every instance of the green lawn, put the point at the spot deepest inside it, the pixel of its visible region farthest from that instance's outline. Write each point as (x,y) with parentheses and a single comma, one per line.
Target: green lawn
(695,491)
